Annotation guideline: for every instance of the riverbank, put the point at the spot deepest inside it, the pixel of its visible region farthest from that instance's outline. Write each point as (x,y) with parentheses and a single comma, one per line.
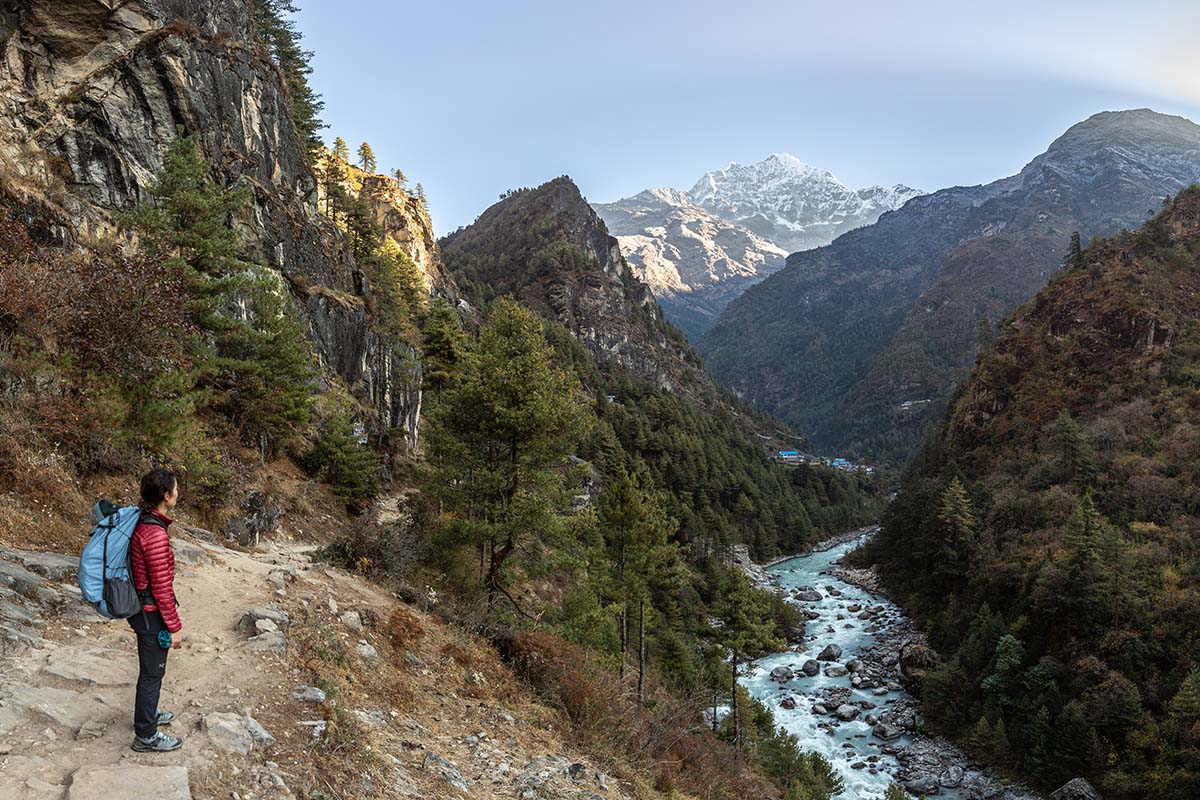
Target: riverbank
(872,728)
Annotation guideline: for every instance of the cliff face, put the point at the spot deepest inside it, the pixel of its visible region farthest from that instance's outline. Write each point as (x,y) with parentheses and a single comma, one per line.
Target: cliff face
(91,95)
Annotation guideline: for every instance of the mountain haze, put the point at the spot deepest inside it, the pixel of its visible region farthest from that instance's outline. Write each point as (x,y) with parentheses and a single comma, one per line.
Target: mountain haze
(862,342)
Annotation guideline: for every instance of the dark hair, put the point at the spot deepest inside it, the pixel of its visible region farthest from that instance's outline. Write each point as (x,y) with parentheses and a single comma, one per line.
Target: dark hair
(156,485)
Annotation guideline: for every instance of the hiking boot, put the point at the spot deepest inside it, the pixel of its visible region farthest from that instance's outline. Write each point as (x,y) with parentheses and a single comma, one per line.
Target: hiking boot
(164,718)
(158,743)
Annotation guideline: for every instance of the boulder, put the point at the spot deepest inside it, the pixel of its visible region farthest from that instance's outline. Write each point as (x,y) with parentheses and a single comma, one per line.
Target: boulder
(129,782)
(1075,789)
(788,702)
(832,652)
(235,732)
(366,650)
(835,671)
(915,659)
(854,665)
(847,712)
(807,594)
(252,615)
(952,776)
(922,786)
(782,673)
(95,668)
(885,731)
(820,710)
(811,667)
(352,620)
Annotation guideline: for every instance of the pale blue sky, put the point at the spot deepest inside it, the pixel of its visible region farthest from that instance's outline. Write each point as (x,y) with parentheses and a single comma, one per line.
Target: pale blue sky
(473,98)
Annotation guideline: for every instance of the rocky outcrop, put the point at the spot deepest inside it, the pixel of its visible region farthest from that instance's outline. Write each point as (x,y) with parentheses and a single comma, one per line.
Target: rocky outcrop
(94,92)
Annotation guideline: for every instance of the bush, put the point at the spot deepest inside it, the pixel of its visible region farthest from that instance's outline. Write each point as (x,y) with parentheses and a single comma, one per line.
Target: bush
(341,457)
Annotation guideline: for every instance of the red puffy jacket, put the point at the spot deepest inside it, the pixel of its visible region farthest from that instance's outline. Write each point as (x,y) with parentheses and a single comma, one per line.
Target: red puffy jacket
(153,564)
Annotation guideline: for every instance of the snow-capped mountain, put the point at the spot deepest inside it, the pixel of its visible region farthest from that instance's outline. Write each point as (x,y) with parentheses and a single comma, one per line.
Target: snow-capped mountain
(700,249)
(793,204)
(694,261)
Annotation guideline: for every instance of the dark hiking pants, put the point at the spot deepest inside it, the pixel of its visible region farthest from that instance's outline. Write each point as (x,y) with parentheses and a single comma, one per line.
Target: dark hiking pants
(152,665)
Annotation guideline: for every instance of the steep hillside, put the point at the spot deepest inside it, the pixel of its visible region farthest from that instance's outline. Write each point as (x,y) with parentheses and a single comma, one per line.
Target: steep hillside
(694,261)
(861,343)
(547,248)
(1048,535)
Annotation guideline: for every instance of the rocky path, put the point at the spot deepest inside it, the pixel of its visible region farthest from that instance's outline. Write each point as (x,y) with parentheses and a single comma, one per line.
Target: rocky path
(66,686)
(438,717)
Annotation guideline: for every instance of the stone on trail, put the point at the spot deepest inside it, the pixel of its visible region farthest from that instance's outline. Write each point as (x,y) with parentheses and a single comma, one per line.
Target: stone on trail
(97,667)
(252,615)
(52,566)
(366,650)
(271,640)
(309,694)
(352,620)
(129,782)
(234,732)
(189,553)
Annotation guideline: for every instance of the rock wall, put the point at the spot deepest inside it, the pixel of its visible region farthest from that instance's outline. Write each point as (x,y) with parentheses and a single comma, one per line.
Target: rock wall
(92,92)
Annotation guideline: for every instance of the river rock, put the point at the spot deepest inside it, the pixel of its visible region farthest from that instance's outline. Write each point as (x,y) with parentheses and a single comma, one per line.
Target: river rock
(1075,789)
(820,710)
(835,671)
(129,782)
(847,712)
(854,665)
(885,731)
(922,786)
(811,667)
(871,719)
(952,776)
(782,673)
(807,594)
(788,702)
(832,652)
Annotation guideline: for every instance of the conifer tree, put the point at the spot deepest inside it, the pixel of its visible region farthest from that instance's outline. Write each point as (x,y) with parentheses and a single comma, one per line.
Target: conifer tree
(366,157)
(443,347)
(401,179)
(747,629)
(1075,251)
(984,334)
(421,194)
(956,521)
(341,150)
(1077,459)
(274,28)
(1039,761)
(496,434)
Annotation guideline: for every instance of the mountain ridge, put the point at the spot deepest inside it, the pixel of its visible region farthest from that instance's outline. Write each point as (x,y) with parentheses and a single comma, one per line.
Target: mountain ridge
(840,339)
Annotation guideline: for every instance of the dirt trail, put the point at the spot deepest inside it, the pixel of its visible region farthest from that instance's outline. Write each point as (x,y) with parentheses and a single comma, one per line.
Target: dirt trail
(432,714)
(67,703)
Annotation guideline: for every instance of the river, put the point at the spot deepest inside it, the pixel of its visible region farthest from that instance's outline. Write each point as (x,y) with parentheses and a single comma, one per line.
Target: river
(857,621)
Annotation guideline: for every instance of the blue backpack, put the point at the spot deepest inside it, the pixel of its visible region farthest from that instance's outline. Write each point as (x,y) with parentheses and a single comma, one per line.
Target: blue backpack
(105,572)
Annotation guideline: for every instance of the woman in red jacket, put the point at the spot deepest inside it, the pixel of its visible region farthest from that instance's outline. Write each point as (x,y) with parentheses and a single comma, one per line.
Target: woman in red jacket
(153,564)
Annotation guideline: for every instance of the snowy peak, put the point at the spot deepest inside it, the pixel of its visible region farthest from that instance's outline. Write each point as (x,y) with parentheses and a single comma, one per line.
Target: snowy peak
(791,203)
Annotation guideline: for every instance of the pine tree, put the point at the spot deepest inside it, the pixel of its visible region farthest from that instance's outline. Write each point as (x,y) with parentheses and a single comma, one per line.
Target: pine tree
(956,521)
(1074,252)
(443,349)
(1039,762)
(273,27)
(497,433)
(1087,574)
(421,194)
(1185,709)
(747,630)
(366,157)
(340,150)
(401,179)
(1076,457)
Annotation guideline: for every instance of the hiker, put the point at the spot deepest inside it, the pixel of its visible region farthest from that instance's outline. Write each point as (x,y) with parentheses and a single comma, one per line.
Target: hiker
(157,625)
